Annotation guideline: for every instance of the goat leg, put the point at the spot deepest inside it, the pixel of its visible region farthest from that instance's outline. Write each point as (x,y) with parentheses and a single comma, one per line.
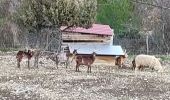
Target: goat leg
(152,69)
(66,64)
(28,64)
(77,67)
(90,68)
(141,67)
(18,64)
(36,62)
(67,61)
(19,59)
(56,62)
(87,69)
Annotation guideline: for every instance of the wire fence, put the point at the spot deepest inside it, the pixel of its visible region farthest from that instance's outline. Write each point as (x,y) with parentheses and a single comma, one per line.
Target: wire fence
(132,45)
(139,45)
(48,39)
(158,43)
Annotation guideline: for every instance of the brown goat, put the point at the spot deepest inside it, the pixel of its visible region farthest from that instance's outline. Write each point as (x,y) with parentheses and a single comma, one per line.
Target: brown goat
(22,54)
(28,54)
(87,59)
(120,60)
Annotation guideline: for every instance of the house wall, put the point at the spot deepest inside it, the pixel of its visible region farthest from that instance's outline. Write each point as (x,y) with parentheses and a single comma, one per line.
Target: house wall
(106,60)
(80,37)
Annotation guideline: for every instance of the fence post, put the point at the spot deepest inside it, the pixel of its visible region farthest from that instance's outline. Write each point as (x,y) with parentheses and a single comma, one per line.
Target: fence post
(147,44)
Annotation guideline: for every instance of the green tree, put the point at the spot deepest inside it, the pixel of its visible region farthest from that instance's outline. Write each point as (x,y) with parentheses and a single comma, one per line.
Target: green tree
(35,15)
(3,11)
(115,13)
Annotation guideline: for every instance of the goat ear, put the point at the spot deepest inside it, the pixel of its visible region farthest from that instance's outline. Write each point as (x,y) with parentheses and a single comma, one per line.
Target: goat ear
(75,51)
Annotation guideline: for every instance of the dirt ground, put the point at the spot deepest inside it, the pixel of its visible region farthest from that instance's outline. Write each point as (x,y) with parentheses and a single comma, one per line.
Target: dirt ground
(104,83)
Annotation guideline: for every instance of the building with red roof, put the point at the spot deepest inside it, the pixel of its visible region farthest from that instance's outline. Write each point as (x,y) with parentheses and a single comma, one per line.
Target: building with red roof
(98,38)
(97,33)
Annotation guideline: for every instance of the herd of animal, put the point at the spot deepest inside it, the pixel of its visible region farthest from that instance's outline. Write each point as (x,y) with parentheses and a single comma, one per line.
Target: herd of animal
(139,62)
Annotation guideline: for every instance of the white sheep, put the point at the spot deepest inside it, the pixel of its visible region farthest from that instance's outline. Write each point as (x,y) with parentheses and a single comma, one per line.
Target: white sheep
(147,60)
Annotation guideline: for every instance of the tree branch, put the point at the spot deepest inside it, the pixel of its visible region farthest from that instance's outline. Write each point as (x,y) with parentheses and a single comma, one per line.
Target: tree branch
(68,27)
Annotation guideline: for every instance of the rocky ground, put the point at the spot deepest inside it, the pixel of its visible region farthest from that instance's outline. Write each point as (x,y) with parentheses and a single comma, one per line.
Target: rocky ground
(104,83)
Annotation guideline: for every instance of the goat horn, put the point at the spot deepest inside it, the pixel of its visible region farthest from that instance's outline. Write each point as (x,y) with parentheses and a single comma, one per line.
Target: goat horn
(125,50)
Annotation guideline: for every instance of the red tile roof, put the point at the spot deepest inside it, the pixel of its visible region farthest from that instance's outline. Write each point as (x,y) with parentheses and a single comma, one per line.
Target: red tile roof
(95,29)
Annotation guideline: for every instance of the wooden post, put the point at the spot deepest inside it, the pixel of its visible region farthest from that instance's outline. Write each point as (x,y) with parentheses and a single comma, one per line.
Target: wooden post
(147,44)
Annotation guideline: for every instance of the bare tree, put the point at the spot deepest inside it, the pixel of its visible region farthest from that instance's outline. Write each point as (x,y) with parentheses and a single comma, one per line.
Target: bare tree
(154,16)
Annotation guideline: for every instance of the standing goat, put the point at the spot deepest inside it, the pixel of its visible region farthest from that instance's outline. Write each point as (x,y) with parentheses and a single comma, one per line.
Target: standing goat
(54,57)
(59,58)
(87,59)
(28,54)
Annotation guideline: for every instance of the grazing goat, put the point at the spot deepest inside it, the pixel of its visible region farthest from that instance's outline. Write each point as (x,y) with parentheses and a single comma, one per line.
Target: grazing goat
(120,60)
(28,54)
(87,59)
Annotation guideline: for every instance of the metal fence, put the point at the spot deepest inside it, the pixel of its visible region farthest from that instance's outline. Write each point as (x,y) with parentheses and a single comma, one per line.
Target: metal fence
(139,45)
(50,41)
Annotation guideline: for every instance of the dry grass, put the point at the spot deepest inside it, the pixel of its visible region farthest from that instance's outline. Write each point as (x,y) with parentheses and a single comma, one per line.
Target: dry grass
(49,83)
